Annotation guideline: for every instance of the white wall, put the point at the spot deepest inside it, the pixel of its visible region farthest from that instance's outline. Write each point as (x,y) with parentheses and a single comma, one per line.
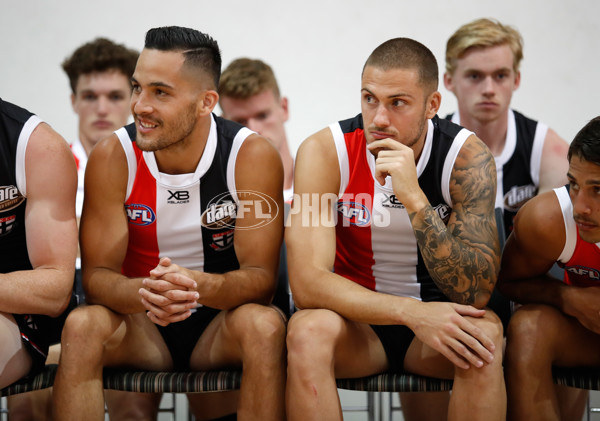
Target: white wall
(317,48)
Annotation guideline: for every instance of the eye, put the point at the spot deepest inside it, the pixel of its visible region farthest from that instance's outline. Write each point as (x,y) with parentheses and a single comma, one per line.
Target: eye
(115,97)
(135,88)
(88,96)
(262,116)
(473,76)
(502,76)
(573,185)
(398,102)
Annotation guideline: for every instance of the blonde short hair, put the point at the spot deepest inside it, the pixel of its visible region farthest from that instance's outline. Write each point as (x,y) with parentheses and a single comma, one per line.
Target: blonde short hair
(483,33)
(246,77)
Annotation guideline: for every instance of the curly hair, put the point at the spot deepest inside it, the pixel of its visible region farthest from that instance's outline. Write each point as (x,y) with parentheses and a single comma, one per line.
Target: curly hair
(99,55)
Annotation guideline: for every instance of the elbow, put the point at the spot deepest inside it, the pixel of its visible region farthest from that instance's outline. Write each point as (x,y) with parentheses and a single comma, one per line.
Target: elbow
(481,300)
(59,302)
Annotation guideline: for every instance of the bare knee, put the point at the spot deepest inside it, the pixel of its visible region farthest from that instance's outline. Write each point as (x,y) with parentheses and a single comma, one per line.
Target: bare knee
(532,328)
(258,325)
(312,332)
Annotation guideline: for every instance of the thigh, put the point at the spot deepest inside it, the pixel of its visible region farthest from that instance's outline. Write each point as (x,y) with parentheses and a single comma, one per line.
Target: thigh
(574,345)
(15,360)
(426,361)
(221,343)
(129,340)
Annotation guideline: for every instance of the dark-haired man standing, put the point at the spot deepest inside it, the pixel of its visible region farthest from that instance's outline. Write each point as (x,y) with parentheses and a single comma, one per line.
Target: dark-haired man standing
(164,197)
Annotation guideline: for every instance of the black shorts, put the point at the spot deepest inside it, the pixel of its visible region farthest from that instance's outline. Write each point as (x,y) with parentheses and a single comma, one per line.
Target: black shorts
(395,340)
(182,337)
(36,339)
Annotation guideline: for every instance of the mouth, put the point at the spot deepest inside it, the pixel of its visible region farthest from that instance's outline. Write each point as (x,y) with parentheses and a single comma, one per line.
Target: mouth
(102,124)
(379,135)
(585,225)
(145,126)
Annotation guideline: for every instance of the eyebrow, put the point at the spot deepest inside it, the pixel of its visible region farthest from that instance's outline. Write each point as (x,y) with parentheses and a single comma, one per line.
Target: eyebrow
(400,95)
(587,183)
(154,84)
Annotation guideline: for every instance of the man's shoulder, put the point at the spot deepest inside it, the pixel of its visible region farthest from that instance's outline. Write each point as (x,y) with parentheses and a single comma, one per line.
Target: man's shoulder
(227,128)
(352,124)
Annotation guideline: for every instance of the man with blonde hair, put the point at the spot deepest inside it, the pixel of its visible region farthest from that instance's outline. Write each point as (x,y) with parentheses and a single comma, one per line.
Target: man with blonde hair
(482,70)
(483,59)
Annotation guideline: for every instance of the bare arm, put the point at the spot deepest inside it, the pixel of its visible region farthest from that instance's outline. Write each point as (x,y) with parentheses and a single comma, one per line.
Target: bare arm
(462,257)
(554,164)
(51,228)
(524,277)
(104,231)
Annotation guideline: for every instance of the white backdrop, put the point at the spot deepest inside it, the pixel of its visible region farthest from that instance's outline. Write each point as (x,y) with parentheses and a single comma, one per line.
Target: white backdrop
(317,48)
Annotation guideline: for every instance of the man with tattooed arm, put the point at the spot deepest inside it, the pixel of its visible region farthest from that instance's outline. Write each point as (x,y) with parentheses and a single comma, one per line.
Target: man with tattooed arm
(400,204)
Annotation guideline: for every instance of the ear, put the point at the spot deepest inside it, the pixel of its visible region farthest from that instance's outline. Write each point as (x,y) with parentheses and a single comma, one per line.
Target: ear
(284,106)
(433,104)
(208,101)
(448,82)
(517,81)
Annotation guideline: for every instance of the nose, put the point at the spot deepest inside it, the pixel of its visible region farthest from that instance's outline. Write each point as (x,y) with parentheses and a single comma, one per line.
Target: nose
(488,86)
(381,118)
(255,125)
(140,104)
(581,205)
(103,105)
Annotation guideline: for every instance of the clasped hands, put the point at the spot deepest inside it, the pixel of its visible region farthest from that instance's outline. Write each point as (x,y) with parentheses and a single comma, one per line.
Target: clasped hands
(169,294)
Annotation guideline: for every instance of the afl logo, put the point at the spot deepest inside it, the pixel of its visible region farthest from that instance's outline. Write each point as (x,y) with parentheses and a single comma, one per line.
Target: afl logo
(139,214)
(354,213)
(10,198)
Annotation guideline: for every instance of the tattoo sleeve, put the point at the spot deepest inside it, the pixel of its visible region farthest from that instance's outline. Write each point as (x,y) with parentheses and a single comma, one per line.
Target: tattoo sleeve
(463,257)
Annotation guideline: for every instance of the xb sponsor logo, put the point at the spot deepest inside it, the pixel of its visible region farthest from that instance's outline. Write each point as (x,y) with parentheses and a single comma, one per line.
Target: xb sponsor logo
(517,196)
(139,214)
(222,240)
(10,198)
(178,196)
(354,213)
(391,201)
(259,208)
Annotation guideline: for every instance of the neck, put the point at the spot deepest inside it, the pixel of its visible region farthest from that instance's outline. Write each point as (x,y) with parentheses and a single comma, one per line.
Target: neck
(288,164)
(86,143)
(491,132)
(183,156)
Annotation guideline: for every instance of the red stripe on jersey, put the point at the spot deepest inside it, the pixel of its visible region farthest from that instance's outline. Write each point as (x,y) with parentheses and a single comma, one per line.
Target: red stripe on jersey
(142,249)
(354,253)
(583,268)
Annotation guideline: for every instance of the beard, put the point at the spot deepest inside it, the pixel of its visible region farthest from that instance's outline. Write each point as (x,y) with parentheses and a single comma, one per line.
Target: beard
(171,134)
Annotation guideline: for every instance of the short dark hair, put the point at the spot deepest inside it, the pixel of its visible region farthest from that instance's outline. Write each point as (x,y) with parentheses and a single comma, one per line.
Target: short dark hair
(199,49)
(406,53)
(99,55)
(586,144)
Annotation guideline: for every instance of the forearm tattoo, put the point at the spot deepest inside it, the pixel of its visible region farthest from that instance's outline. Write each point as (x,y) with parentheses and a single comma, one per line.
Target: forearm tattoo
(463,257)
